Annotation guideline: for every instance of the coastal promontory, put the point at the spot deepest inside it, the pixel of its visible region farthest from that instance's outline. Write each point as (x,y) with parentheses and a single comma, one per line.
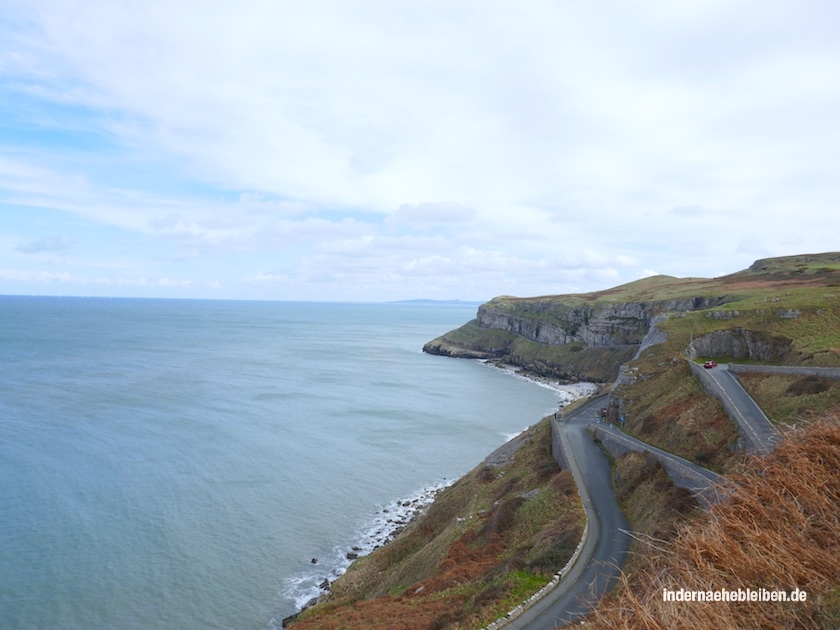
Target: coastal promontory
(499,534)
(590,336)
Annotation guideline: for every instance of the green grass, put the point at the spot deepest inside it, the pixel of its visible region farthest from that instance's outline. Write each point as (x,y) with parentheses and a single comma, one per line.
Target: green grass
(524,585)
(795,298)
(669,408)
(814,332)
(791,400)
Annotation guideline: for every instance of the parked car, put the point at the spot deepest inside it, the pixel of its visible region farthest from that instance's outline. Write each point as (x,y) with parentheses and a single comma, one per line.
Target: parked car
(710,364)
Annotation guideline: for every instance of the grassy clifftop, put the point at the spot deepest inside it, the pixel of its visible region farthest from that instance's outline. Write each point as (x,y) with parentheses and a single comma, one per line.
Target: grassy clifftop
(500,532)
(779,311)
(791,302)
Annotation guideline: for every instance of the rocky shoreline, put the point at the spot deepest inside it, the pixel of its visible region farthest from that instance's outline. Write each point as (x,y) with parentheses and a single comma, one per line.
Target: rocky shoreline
(388,522)
(568,392)
(382,528)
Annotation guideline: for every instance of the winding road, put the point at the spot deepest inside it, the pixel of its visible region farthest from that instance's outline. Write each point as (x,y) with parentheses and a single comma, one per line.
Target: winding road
(760,436)
(605,548)
(599,564)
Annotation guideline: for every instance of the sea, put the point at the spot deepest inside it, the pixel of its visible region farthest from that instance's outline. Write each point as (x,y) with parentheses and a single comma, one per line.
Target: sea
(194,464)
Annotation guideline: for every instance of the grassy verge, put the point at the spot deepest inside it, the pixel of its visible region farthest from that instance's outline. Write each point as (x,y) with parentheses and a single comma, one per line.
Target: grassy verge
(790,400)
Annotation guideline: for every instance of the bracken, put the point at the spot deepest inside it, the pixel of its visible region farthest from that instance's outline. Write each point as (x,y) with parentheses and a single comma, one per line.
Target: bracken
(780,529)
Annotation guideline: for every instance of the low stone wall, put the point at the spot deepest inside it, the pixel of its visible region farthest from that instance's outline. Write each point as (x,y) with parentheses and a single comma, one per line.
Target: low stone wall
(556,443)
(825,372)
(683,473)
(710,387)
(545,590)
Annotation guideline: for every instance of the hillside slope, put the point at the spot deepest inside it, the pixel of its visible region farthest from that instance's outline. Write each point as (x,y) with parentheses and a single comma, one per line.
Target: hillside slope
(780,530)
(488,542)
(496,535)
(779,310)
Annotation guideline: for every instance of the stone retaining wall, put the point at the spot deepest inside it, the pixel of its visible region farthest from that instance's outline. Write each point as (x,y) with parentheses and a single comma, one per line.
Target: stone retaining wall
(556,443)
(825,372)
(681,472)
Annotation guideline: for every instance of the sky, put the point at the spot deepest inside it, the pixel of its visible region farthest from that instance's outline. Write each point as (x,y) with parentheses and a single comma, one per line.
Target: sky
(366,150)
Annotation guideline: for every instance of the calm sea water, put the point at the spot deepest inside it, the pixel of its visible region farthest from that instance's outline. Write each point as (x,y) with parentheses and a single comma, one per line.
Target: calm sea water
(178,464)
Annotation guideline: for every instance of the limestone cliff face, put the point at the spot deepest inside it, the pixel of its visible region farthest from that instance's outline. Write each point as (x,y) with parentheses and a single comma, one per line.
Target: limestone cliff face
(600,324)
(588,336)
(569,338)
(741,343)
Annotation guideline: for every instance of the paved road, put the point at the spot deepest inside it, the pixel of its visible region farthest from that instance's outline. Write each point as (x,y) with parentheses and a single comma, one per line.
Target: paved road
(759,433)
(601,559)
(605,549)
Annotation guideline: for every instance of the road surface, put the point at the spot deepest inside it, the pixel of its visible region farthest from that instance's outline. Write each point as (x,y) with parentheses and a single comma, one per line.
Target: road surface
(760,435)
(605,551)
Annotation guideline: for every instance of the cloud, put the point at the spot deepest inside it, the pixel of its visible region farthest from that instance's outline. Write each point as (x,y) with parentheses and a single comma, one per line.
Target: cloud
(46,245)
(31,276)
(169,282)
(551,144)
(752,246)
(689,211)
(432,213)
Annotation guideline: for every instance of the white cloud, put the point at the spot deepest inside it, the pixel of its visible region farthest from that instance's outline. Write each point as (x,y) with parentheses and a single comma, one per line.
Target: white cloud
(689,211)
(169,282)
(554,145)
(49,245)
(432,213)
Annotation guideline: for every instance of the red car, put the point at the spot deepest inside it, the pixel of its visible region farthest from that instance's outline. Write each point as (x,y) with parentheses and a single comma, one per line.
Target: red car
(710,364)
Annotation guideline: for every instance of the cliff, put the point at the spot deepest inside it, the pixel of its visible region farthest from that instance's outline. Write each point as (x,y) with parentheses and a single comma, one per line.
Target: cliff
(589,336)
(574,337)
(498,534)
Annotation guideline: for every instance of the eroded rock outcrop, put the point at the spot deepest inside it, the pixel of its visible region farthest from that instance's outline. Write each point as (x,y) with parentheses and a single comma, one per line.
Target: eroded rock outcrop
(569,338)
(555,322)
(741,343)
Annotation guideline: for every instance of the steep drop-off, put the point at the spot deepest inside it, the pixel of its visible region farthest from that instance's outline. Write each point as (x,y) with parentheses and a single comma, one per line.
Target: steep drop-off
(749,315)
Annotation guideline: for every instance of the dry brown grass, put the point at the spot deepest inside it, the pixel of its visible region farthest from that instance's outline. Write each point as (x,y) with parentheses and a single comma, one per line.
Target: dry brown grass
(780,530)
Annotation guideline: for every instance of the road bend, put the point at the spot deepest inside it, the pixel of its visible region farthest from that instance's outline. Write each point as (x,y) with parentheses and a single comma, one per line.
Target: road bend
(599,564)
(760,434)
